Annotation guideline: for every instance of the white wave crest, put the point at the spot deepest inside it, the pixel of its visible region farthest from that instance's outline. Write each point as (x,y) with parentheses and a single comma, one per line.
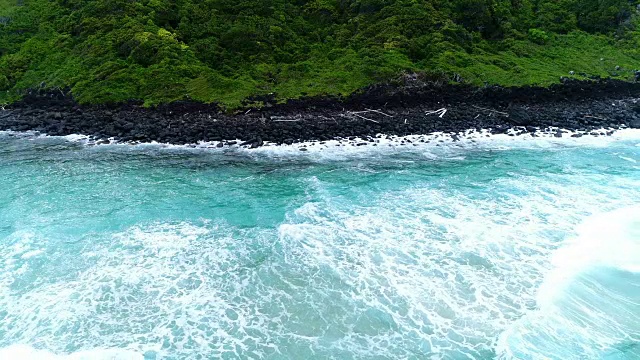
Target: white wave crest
(588,304)
(24,352)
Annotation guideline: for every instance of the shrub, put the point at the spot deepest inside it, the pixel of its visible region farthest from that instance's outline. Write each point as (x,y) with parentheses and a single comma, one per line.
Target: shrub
(538,36)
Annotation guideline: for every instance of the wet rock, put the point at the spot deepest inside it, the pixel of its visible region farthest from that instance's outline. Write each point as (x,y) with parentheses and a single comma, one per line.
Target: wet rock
(248,142)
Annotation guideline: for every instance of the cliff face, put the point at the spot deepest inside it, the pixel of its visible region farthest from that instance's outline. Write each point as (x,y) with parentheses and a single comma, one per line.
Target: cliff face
(230,52)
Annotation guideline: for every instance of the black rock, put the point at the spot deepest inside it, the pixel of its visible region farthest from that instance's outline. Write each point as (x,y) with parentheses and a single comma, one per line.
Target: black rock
(248,142)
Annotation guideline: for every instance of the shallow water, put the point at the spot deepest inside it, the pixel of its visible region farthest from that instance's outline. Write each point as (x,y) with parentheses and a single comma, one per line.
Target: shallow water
(498,249)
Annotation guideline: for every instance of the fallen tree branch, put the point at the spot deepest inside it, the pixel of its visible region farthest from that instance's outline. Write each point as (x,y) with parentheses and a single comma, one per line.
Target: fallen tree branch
(435,111)
(439,112)
(491,110)
(380,112)
(595,117)
(326,118)
(362,117)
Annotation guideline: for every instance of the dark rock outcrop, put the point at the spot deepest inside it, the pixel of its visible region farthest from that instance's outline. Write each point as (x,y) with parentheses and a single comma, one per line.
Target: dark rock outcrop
(380,109)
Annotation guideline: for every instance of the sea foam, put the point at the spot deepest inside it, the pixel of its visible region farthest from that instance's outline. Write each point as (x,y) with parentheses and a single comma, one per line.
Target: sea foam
(588,304)
(24,352)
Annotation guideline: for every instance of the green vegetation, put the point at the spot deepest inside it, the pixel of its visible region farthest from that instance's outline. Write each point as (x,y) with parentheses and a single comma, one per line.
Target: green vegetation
(226,51)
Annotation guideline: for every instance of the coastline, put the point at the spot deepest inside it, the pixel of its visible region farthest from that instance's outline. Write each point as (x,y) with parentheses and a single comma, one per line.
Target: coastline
(573,108)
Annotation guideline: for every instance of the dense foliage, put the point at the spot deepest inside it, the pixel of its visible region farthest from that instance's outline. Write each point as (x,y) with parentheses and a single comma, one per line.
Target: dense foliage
(229,50)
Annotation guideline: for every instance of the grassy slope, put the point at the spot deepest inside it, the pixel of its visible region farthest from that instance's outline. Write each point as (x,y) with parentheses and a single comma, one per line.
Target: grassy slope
(51,53)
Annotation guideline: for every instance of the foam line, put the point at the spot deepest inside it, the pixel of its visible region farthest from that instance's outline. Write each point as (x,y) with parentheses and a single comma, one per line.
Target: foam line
(381,144)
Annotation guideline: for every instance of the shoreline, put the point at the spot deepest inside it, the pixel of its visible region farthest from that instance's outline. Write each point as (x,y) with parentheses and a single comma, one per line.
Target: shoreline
(435,144)
(593,108)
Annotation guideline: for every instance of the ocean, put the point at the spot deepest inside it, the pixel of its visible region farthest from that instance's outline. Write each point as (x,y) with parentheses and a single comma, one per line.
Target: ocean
(493,248)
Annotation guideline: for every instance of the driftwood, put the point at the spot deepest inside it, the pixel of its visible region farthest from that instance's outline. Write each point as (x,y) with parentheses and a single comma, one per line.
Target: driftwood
(357,114)
(595,117)
(368,111)
(331,118)
(278,118)
(439,112)
(362,117)
(491,110)
(380,112)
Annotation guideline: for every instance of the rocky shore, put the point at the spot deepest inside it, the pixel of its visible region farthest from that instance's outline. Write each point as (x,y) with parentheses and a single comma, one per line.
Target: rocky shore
(408,110)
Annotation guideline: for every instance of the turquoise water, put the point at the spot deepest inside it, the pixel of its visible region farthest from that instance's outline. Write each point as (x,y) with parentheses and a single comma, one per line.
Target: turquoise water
(498,249)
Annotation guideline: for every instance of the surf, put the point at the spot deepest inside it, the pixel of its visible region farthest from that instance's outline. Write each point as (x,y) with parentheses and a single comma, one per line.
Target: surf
(396,251)
(588,306)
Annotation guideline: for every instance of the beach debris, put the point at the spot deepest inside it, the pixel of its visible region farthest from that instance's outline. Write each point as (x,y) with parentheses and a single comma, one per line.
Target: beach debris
(491,110)
(357,114)
(277,118)
(439,112)
(595,117)
(380,112)
(362,117)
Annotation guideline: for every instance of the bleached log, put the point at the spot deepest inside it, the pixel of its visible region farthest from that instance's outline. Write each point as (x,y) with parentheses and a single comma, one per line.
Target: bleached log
(439,112)
(362,117)
(491,110)
(380,112)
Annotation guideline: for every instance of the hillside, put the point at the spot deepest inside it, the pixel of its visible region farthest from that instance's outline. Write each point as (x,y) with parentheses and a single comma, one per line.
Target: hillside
(228,51)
